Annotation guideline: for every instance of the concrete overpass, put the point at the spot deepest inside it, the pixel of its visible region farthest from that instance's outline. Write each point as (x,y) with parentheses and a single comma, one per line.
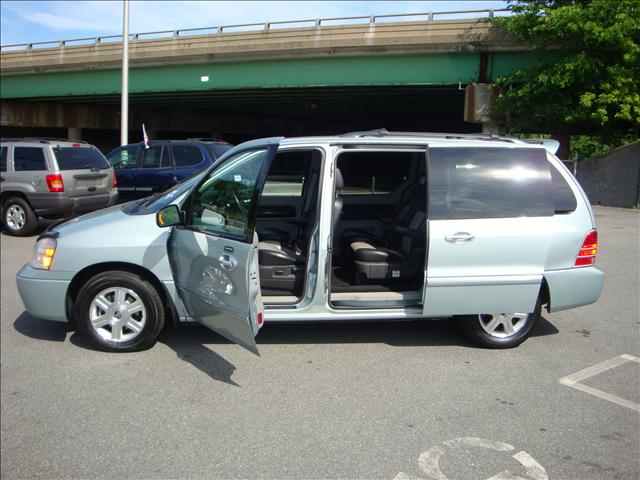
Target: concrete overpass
(320,76)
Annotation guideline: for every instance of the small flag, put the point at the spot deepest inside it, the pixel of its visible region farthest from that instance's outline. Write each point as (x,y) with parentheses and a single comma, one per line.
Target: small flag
(145,137)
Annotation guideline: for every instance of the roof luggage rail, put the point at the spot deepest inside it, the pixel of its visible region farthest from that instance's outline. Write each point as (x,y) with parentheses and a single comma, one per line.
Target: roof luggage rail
(381,132)
(40,139)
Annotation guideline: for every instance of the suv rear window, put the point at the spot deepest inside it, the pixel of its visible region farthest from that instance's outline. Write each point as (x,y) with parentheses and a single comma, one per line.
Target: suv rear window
(79,158)
(3,159)
(216,150)
(489,183)
(28,159)
(186,155)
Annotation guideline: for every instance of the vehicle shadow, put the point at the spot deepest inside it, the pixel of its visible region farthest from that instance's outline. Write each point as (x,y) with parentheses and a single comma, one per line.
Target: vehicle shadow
(189,342)
(394,333)
(39,329)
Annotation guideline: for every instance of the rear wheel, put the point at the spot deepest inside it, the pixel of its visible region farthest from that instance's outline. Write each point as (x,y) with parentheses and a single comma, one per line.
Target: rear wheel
(500,330)
(18,218)
(119,311)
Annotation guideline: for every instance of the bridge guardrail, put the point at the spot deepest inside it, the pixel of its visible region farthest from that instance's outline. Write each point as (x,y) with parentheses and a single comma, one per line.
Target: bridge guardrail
(261,26)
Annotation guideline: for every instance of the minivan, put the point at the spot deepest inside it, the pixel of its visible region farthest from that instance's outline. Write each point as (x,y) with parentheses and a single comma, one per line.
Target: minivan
(363,226)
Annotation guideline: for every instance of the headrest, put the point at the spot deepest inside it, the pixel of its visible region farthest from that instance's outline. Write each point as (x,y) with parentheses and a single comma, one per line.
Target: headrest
(339,179)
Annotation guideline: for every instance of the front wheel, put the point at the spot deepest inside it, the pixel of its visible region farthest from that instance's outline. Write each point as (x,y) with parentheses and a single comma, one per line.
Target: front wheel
(119,311)
(500,330)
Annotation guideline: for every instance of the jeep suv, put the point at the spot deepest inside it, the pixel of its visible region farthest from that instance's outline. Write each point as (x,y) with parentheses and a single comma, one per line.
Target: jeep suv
(51,178)
(145,170)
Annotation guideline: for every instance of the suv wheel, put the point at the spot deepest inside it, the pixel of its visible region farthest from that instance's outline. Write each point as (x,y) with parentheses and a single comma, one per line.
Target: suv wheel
(18,218)
(500,330)
(119,311)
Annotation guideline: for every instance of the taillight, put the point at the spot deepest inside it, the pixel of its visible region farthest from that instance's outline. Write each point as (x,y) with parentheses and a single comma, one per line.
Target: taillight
(114,182)
(588,251)
(260,319)
(54,182)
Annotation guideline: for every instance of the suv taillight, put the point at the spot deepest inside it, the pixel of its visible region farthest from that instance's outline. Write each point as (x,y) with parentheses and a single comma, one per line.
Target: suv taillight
(54,182)
(588,251)
(114,183)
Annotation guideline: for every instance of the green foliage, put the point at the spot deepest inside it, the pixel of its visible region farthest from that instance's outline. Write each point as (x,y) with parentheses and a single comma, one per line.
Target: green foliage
(588,81)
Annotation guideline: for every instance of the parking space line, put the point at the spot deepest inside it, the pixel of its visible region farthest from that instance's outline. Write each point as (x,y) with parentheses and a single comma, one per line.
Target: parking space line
(574,380)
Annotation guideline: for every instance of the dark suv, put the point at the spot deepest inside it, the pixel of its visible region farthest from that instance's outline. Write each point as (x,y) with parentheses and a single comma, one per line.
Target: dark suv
(142,171)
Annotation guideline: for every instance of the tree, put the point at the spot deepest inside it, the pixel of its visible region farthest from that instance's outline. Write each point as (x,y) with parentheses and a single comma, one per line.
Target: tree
(588,79)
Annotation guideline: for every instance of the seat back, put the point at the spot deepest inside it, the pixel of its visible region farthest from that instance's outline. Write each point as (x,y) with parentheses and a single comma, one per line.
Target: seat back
(337,203)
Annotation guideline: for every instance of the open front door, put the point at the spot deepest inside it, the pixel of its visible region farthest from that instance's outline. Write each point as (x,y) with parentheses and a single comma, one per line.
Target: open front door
(214,256)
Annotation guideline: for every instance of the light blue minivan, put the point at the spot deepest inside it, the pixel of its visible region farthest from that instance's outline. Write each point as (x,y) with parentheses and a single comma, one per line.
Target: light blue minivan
(362,226)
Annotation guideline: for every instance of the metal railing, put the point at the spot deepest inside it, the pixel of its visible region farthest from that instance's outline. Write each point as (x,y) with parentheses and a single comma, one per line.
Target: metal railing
(249,27)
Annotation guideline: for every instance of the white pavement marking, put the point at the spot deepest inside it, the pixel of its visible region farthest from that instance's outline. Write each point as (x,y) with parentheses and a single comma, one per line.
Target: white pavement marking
(429,461)
(574,380)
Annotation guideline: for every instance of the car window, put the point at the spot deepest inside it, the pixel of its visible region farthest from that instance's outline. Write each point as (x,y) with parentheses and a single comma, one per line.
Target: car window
(3,159)
(216,150)
(186,155)
(287,173)
(75,158)
(154,157)
(373,173)
(223,203)
(563,197)
(489,183)
(124,157)
(28,159)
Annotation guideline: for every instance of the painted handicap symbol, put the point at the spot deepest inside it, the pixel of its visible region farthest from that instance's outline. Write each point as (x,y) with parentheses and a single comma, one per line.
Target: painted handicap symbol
(429,461)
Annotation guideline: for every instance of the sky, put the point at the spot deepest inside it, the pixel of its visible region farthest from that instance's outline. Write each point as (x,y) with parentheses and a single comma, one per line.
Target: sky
(36,21)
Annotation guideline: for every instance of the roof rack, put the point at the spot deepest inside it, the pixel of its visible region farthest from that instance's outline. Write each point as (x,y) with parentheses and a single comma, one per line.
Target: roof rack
(382,132)
(40,139)
(200,139)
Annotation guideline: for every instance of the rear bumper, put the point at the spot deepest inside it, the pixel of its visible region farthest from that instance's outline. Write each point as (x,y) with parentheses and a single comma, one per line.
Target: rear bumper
(43,292)
(574,287)
(49,204)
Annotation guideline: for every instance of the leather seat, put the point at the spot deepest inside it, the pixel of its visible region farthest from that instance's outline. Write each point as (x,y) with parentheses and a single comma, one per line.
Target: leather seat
(403,259)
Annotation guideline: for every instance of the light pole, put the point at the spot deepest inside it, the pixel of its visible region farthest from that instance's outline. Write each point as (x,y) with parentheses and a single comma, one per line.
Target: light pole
(124,103)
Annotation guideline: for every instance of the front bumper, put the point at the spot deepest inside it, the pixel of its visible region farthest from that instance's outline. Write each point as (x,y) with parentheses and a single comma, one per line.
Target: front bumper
(50,204)
(44,292)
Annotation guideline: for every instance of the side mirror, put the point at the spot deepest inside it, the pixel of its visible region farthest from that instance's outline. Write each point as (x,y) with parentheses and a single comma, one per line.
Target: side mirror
(169,216)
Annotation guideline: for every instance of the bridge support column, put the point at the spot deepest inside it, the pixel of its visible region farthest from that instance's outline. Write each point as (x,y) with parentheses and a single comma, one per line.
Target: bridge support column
(74,133)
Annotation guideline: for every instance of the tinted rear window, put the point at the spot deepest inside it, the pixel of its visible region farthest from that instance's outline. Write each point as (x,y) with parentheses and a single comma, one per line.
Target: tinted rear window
(216,150)
(3,159)
(28,159)
(565,201)
(489,183)
(79,158)
(186,155)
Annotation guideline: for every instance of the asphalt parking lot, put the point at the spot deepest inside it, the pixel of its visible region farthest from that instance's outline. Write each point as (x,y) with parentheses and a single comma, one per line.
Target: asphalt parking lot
(389,400)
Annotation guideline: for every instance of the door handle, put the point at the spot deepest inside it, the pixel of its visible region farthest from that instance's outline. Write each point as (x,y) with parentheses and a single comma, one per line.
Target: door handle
(228,262)
(459,238)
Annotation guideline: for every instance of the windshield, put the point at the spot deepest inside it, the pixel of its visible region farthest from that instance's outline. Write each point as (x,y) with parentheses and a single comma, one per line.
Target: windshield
(79,158)
(162,199)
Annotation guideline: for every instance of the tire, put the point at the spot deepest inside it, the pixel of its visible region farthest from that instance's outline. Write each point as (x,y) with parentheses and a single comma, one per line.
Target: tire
(18,218)
(119,311)
(478,328)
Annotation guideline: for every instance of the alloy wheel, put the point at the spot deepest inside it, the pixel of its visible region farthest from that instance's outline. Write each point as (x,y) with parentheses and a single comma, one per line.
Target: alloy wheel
(503,325)
(117,314)
(16,217)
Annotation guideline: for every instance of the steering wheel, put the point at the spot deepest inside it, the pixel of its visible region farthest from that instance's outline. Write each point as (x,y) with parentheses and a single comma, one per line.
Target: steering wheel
(242,208)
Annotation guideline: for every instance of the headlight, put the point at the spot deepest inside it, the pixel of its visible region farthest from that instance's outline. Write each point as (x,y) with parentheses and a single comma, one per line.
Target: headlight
(43,253)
